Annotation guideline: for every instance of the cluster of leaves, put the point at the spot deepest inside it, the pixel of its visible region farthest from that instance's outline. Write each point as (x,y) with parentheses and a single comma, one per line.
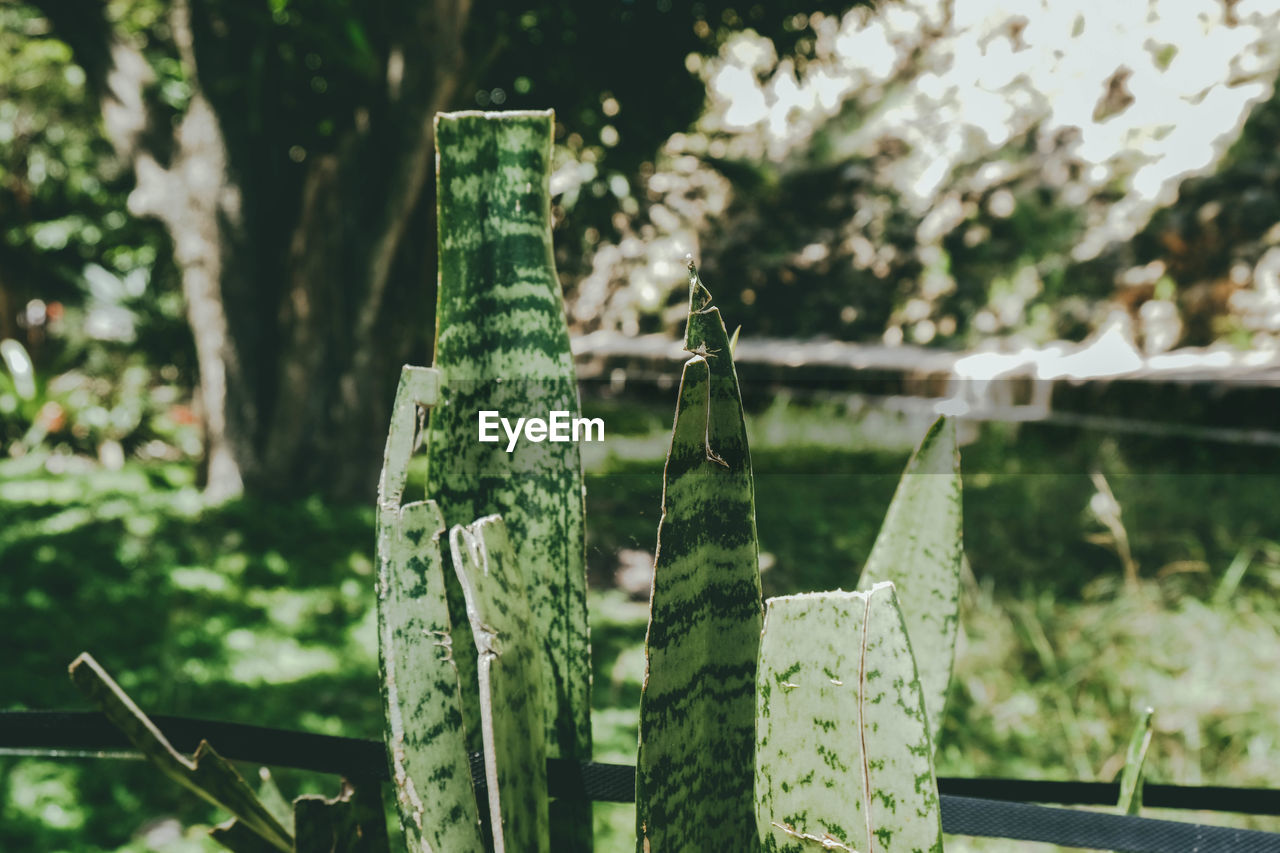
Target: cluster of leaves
(1220,236)
(256,611)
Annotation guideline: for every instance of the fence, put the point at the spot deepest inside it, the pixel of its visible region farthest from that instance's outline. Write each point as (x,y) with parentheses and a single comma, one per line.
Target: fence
(993,808)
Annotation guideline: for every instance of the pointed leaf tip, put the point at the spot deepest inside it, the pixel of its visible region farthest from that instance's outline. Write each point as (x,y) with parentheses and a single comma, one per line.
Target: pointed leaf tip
(1132,777)
(920,549)
(700,298)
(704,333)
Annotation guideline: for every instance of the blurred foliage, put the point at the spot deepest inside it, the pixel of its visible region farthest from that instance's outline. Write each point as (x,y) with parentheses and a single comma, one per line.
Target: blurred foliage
(1222,236)
(308,72)
(113,404)
(619,77)
(945,174)
(86,291)
(263,612)
(839,167)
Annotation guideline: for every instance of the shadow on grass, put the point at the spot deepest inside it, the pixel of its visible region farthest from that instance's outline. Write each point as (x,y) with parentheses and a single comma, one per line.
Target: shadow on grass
(247,612)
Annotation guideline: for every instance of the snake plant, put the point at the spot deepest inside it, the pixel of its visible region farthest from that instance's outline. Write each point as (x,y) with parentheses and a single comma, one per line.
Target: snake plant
(816,728)
(502,344)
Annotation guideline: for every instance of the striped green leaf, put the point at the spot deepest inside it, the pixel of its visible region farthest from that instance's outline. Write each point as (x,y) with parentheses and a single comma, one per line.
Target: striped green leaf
(697,707)
(919,549)
(502,345)
(425,737)
(510,678)
(843,756)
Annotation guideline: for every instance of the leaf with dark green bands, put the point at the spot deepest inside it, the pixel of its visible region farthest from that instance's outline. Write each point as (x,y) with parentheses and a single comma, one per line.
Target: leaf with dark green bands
(503,345)
(697,706)
(421,694)
(425,736)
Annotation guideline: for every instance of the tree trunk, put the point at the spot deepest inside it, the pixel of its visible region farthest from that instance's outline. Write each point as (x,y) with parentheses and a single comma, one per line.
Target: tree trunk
(308,275)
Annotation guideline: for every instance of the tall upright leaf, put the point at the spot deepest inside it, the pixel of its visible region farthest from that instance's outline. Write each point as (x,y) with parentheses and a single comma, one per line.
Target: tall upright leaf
(697,706)
(510,671)
(843,755)
(919,549)
(426,743)
(502,345)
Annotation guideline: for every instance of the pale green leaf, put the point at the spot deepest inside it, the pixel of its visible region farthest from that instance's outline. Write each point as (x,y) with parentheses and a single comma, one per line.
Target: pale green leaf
(426,742)
(843,755)
(919,549)
(510,678)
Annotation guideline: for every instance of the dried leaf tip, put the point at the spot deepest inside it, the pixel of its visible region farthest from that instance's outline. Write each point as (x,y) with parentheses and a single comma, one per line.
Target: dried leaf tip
(696,287)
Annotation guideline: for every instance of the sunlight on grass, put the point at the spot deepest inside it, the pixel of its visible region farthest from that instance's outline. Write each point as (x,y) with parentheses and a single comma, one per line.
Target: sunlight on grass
(195,579)
(42,791)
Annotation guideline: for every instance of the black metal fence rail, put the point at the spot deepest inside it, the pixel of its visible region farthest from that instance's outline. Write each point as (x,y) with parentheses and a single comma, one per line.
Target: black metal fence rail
(994,808)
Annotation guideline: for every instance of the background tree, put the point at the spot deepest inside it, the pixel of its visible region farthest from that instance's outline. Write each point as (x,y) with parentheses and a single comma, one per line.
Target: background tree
(286,148)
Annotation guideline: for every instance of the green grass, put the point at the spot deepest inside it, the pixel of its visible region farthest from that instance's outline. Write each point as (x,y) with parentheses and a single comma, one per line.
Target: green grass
(263,612)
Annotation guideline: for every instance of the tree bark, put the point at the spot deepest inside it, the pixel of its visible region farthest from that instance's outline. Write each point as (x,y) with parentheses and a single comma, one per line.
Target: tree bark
(307,284)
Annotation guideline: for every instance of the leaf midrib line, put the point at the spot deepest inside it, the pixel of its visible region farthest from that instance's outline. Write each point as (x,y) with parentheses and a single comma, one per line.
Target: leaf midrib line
(862,729)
